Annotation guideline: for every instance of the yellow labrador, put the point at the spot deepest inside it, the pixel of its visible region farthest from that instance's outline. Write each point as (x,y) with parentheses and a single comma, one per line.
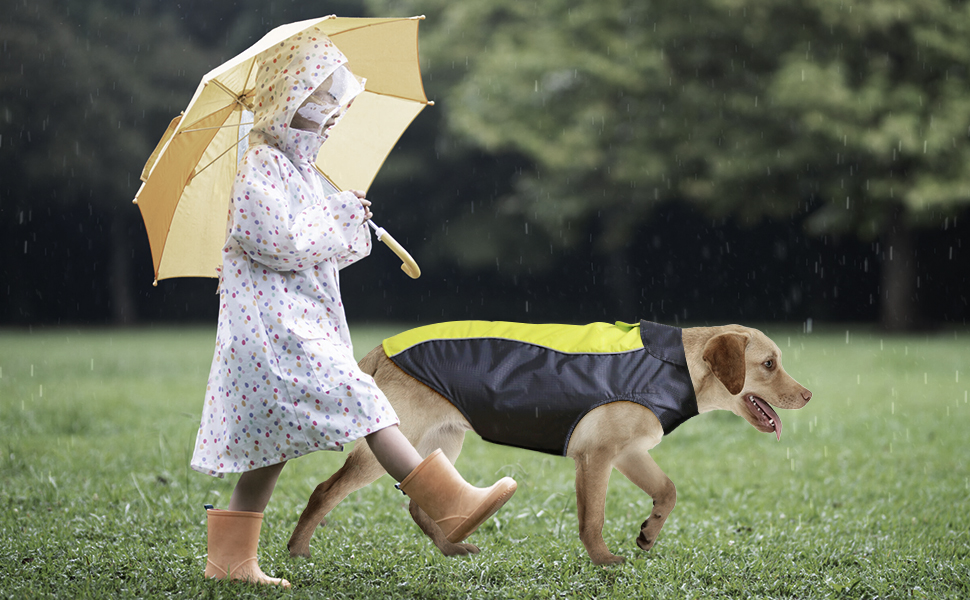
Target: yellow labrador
(730,367)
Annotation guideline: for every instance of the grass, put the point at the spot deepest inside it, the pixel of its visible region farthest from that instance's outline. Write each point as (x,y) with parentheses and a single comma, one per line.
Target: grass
(866,496)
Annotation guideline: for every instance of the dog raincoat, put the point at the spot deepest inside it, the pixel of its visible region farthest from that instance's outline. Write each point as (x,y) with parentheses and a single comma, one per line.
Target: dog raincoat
(529,385)
(283,381)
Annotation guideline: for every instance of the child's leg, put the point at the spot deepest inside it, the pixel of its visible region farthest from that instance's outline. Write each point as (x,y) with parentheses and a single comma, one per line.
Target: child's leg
(394,452)
(233,534)
(436,487)
(254,488)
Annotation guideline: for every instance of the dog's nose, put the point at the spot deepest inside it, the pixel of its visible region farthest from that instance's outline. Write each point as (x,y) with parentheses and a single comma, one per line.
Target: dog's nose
(806,395)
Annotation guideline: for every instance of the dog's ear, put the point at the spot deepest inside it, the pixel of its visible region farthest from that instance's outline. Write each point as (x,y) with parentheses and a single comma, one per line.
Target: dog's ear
(724,354)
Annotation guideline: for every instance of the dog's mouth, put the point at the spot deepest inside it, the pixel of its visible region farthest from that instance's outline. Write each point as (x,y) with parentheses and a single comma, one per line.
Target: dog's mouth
(766,416)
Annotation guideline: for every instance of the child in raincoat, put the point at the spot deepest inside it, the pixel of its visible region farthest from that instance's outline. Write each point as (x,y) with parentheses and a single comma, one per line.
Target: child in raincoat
(283,381)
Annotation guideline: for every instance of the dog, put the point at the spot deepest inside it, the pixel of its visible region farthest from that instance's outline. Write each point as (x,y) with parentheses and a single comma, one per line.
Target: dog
(729,367)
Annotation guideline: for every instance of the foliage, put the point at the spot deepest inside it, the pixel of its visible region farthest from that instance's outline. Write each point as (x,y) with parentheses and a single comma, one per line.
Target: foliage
(565,135)
(863,497)
(752,108)
(87,90)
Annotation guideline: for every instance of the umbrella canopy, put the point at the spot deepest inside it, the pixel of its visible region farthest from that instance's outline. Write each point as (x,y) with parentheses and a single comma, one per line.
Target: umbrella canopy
(184,199)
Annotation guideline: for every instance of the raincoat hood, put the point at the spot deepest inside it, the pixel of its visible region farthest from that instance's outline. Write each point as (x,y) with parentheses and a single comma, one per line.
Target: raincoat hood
(288,75)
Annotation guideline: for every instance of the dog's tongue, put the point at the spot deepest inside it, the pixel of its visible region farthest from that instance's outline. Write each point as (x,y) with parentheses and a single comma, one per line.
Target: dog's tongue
(775,420)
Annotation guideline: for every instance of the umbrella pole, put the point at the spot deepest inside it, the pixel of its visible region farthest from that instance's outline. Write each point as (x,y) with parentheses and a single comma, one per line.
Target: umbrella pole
(410,267)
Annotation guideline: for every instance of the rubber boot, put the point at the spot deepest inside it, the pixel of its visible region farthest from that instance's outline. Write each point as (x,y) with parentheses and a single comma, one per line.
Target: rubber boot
(457,507)
(233,539)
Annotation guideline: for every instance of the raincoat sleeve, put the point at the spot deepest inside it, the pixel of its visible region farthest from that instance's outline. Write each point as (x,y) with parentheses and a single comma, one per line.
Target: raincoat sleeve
(359,248)
(276,227)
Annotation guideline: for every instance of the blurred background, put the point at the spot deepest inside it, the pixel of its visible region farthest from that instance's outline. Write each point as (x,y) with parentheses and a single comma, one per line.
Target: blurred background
(713,161)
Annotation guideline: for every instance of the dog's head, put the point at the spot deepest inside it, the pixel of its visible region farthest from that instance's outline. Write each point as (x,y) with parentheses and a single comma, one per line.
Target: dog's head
(747,365)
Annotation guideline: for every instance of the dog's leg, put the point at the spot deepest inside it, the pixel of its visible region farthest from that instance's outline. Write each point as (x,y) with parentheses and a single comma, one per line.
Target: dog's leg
(640,468)
(450,441)
(360,469)
(592,478)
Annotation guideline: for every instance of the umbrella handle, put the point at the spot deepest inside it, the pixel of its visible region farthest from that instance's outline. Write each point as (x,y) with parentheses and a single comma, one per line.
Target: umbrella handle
(410,267)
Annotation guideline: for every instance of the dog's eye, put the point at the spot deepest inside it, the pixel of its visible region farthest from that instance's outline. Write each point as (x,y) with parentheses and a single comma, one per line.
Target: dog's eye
(769,364)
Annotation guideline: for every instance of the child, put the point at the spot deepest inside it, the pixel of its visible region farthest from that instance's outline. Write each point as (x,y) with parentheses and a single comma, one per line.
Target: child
(283,381)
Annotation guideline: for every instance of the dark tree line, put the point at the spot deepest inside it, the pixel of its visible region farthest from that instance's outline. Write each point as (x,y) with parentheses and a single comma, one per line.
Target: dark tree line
(726,160)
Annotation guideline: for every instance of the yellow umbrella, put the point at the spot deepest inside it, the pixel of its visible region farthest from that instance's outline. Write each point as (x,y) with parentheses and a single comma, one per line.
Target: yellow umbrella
(184,199)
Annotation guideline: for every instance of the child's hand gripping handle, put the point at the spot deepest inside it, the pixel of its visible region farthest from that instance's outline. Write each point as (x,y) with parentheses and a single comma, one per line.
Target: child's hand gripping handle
(410,267)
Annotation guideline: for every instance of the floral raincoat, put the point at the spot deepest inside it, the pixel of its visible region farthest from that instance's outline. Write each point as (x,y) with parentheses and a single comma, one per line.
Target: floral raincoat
(283,380)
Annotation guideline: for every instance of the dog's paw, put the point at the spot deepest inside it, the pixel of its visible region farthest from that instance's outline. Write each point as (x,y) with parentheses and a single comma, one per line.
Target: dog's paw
(460,549)
(607,559)
(643,542)
(299,552)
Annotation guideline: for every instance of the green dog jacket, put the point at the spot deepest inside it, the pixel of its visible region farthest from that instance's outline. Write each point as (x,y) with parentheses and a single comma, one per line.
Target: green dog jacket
(528,386)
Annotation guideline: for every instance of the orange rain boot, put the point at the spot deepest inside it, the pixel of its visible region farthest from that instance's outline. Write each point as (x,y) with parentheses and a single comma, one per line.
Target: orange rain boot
(233,539)
(457,507)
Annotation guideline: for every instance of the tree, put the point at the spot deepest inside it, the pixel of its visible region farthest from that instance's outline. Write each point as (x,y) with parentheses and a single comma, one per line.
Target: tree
(851,116)
(87,90)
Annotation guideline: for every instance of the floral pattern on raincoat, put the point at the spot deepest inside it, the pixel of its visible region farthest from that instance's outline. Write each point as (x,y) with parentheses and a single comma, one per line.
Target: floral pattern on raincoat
(283,380)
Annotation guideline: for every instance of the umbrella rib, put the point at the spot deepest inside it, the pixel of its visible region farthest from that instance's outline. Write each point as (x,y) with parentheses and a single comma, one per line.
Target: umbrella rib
(214,160)
(324,175)
(366,25)
(215,127)
(238,98)
(249,75)
(405,98)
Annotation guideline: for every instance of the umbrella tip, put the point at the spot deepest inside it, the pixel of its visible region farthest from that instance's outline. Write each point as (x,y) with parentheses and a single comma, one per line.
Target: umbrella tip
(430,103)
(135,201)
(155,283)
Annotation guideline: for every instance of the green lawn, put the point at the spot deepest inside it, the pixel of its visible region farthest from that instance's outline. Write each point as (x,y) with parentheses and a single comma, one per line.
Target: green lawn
(866,496)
